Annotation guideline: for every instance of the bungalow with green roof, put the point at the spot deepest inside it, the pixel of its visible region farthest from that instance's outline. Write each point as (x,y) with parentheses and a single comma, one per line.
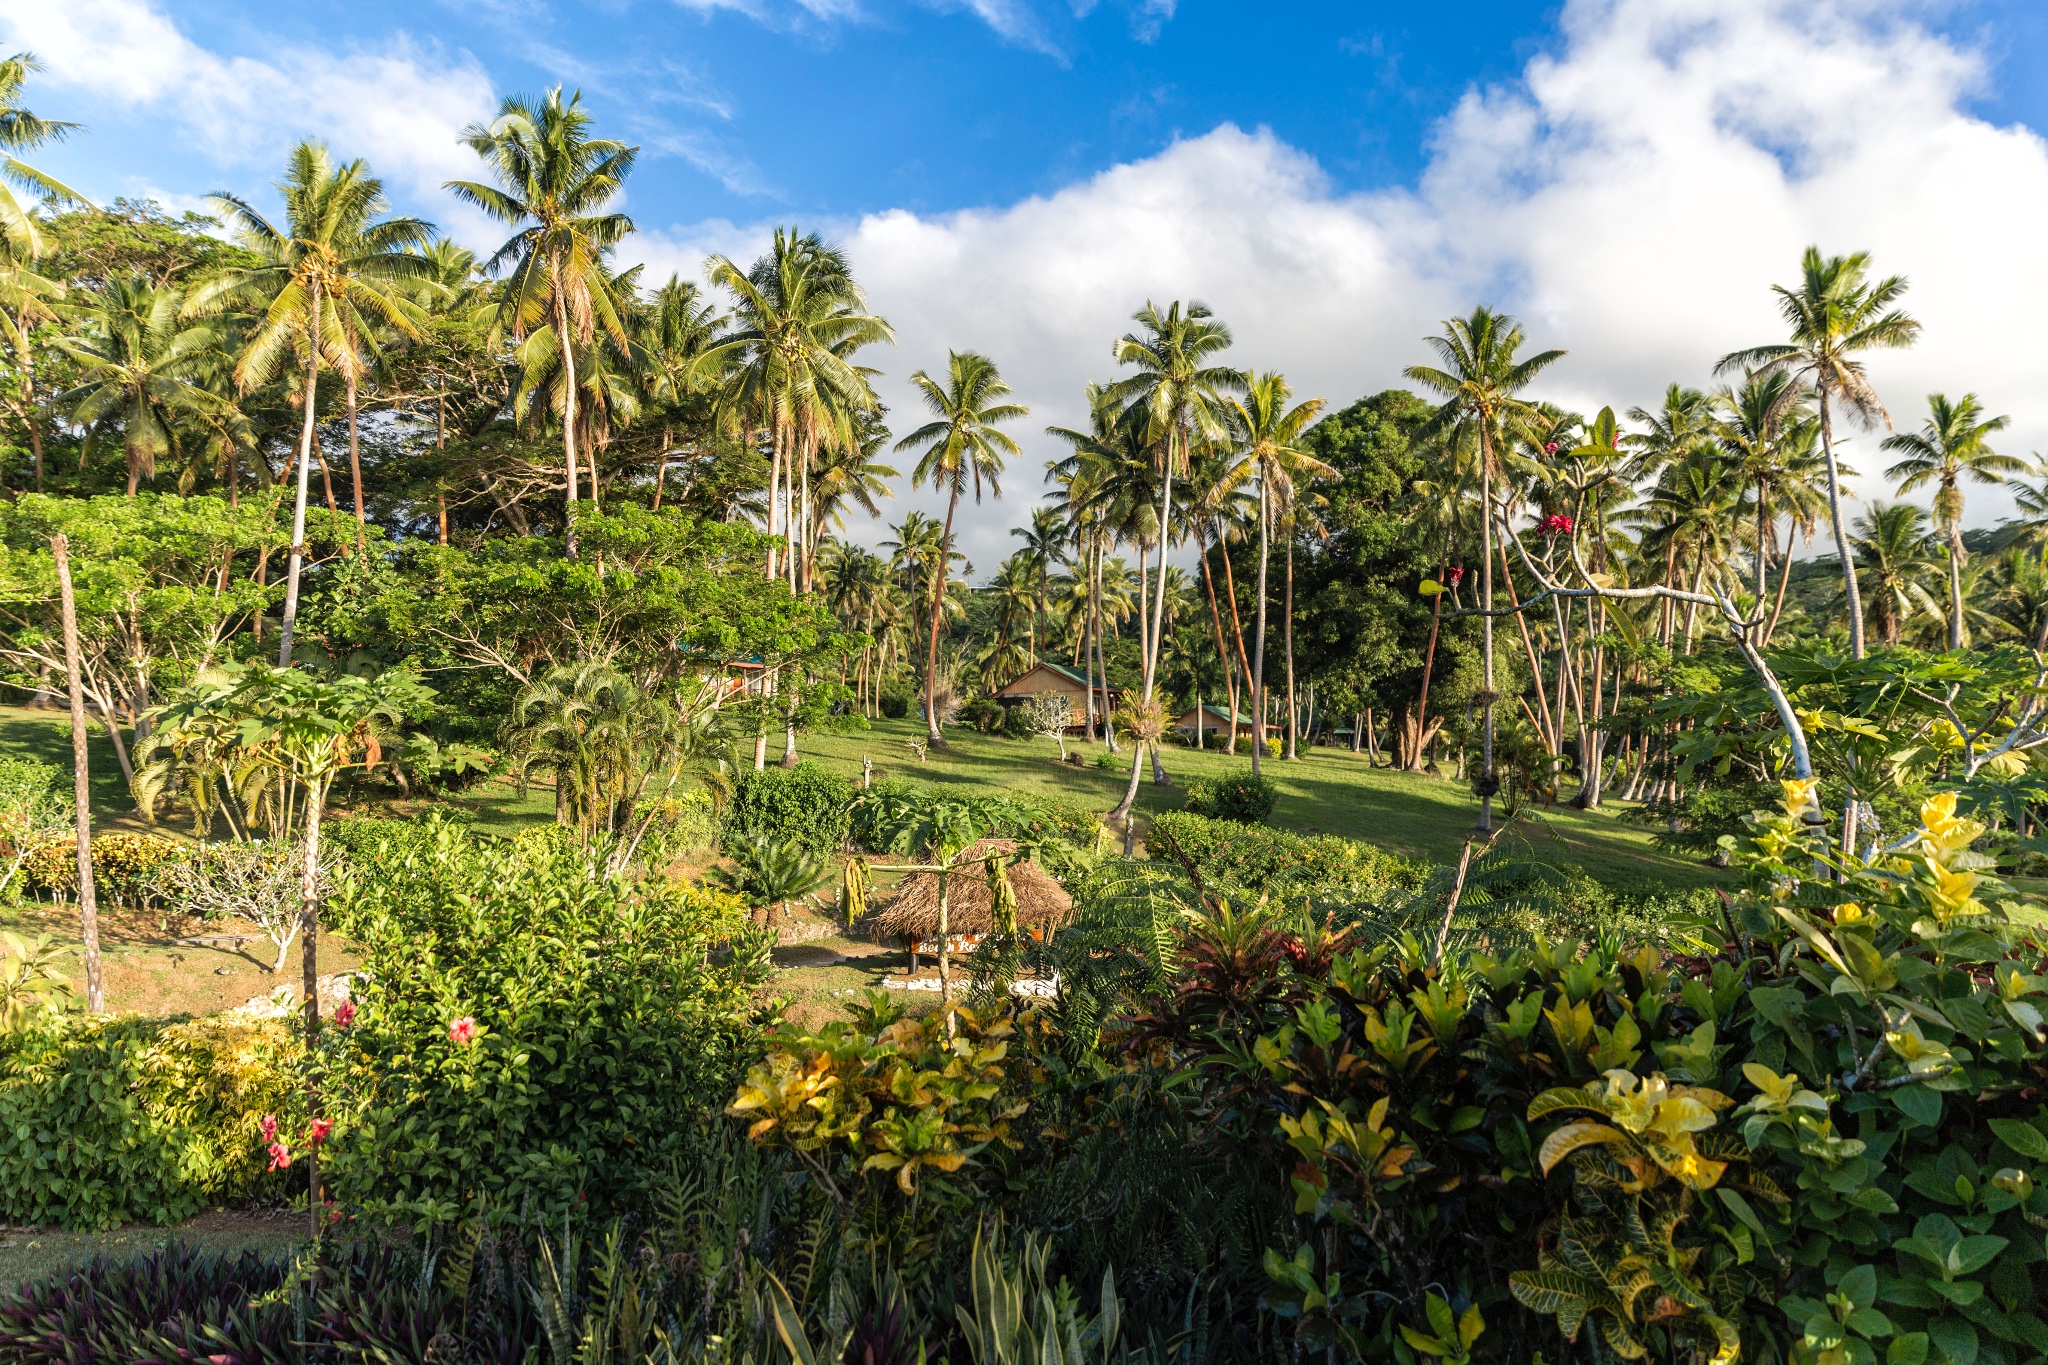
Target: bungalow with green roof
(1042,679)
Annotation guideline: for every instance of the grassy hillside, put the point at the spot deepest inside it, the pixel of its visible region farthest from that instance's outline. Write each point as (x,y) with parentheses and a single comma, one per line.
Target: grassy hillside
(1328,791)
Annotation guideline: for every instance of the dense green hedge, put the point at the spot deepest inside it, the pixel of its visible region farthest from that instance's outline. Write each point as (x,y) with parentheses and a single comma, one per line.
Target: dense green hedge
(106,1121)
(808,804)
(1234,857)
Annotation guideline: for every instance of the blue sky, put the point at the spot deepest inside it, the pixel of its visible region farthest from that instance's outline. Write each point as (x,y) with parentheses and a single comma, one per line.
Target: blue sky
(1017,176)
(767,108)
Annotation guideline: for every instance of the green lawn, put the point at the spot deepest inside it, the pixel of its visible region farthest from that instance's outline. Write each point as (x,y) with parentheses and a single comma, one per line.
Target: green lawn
(1328,791)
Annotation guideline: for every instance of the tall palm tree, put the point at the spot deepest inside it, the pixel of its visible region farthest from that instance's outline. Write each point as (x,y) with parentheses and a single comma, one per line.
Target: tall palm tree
(677,329)
(23,131)
(141,373)
(1481,376)
(798,317)
(1181,391)
(1044,546)
(963,441)
(1836,314)
(1954,444)
(554,182)
(1268,434)
(1893,553)
(1750,430)
(333,265)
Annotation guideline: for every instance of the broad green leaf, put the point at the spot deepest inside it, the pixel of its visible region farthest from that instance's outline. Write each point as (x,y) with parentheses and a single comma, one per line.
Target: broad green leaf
(1859,1286)
(1955,1339)
(1909,1349)
(2022,1137)
(1919,1104)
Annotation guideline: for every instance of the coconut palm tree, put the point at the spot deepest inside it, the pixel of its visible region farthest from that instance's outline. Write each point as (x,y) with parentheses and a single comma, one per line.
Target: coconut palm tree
(1181,391)
(334,265)
(1481,376)
(798,317)
(1749,430)
(1835,314)
(1044,546)
(554,183)
(23,131)
(1894,553)
(963,442)
(141,373)
(1954,444)
(1268,435)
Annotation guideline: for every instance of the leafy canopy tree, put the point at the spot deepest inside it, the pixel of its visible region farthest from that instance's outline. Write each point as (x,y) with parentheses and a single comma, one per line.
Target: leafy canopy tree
(554,181)
(333,266)
(1481,378)
(1954,444)
(1834,315)
(962,442)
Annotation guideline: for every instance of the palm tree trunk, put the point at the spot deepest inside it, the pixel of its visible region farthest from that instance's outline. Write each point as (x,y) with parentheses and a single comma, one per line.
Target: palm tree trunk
(355,467)
(1287,638)
(931,665)
(1855,596)
(1259,644)
(568,345)
(1486,775)
(88,906)
(1956,555)
(298,547)
(1784,582)
(1222,650)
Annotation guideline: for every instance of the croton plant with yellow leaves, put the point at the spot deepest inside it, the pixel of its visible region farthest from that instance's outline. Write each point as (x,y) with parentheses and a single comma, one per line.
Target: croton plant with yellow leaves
(887,1096)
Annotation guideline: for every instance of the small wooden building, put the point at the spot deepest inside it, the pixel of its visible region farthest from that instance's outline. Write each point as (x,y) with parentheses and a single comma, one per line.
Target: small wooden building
(1042,678)
(1214,720)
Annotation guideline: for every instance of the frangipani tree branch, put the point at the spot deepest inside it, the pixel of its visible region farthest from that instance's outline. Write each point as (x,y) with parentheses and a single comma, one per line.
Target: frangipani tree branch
(1739,626)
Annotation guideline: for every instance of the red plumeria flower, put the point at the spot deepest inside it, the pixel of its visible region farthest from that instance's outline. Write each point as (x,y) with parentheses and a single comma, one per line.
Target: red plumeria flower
(269,1127)
(1550,447)
(1455,575)
(1558,525)
(463,1030)
(345,1014)
(317,1131)
(280,1157)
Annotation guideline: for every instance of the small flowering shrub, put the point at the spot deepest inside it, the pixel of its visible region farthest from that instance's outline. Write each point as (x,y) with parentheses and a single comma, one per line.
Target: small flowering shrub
(112,1120)
(529,1033)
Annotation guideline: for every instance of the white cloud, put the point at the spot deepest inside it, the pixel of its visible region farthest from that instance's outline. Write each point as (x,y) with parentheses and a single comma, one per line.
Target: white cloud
(1633,197)
(400,107)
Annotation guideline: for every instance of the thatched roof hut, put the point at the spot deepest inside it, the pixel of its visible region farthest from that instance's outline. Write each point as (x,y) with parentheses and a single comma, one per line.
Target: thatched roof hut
(913,912)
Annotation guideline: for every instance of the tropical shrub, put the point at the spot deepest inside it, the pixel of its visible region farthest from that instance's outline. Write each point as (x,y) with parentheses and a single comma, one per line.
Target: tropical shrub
(531,1033)
(105,1121)
(808,804)
(1230,857)
(894,704)
(985,715)
(1242,797)
(124,867)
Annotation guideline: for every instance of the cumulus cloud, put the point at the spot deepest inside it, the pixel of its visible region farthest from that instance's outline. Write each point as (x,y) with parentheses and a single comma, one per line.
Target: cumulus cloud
(1632,197)
(401,106)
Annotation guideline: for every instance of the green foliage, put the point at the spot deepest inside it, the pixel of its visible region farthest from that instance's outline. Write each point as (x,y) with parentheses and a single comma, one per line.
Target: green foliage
(605,1014)
(895,703)
(985,715)
(808,805)
(1235,860)
(767,873)
(105,1121)
(1243,797)
(125,867)
(25,779)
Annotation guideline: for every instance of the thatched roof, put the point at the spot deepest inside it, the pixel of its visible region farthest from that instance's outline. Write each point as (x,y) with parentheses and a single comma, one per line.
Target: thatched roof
(913,912)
